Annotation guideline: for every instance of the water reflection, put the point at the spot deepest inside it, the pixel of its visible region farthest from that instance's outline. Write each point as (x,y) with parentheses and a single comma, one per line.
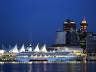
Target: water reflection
(30,68)
(49,67)
(1,68)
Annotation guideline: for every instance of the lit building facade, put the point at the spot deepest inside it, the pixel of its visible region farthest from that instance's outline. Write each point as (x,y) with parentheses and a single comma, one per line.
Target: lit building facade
(68,36)
(72,38)
(91,44)
(69,24)
(84,25)
(61,37)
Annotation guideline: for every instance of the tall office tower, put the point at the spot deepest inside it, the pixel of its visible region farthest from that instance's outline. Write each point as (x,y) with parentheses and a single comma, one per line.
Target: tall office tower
(61,38)
(84,25)
(72,38)
(69,24)
(83,34)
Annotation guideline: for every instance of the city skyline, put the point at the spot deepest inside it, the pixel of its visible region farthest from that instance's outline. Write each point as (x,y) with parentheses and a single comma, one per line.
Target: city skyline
(37,21)
(63,29)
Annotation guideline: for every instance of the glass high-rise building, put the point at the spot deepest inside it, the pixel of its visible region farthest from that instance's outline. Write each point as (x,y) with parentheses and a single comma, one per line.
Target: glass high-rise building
(69,24)
(84,25)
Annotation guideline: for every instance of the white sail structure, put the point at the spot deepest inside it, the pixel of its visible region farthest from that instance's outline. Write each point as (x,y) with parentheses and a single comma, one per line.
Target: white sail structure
(22,49)
(37,48)
(2,51)
(29,48)
(14,49)
(43,49)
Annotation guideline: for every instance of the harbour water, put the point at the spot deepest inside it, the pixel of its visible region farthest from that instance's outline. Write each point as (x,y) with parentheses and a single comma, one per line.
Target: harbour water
(49,67)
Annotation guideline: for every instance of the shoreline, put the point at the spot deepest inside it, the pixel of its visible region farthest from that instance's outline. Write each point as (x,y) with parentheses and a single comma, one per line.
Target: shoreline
(45,62)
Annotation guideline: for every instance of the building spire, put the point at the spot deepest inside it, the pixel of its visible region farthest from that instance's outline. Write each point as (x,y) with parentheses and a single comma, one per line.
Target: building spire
(84,25)
(84,20)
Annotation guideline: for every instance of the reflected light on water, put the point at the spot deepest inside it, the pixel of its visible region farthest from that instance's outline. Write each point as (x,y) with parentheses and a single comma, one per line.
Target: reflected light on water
(30,68)
(48,67)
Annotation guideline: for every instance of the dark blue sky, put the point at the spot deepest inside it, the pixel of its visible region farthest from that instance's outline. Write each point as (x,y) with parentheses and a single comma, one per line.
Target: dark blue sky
(37,20)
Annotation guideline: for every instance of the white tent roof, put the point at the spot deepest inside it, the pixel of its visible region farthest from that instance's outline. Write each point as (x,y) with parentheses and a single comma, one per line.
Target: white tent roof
(22,49)
(37,48)
(43,49)
(2,51)
(29,48)
(14,49)
(30,45)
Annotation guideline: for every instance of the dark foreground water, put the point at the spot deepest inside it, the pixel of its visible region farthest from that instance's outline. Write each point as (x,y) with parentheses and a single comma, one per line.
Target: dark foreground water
(49,67)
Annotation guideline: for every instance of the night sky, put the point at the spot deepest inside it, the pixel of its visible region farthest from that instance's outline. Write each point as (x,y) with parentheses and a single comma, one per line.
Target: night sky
(37,20)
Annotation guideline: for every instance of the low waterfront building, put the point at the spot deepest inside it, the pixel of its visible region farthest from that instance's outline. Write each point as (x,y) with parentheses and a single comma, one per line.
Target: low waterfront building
(91,44)
(73,49)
